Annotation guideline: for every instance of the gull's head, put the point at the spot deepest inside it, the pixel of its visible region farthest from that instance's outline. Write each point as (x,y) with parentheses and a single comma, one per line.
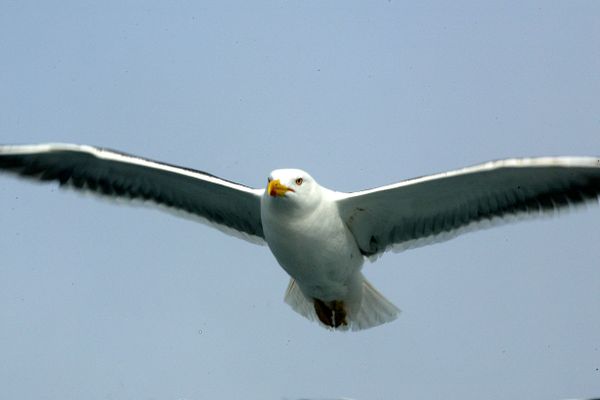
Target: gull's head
(291,186)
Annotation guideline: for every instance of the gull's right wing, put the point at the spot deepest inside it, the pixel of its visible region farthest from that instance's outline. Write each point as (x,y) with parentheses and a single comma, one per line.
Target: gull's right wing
(226,204)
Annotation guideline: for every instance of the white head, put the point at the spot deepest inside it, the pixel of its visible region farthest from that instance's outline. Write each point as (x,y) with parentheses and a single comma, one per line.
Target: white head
(292,188)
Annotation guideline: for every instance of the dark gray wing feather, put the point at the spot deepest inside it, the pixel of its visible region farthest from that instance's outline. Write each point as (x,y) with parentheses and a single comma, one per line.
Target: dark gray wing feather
(116,174)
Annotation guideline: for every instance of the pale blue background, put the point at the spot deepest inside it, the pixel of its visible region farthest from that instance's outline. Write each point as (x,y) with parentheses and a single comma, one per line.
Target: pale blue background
(99,301)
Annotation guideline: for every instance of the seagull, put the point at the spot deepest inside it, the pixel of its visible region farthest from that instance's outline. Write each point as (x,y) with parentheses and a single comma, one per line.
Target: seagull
(321,237)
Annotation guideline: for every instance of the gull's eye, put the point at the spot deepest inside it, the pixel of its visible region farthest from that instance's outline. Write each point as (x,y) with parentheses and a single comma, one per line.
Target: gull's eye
(299,181)
(269,179)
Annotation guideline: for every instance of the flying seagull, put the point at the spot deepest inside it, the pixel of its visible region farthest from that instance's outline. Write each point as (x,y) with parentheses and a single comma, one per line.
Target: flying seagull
(319,236)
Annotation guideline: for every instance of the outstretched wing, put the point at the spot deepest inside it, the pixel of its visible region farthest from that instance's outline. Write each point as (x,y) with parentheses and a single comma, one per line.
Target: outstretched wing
(227,204)
(434,208)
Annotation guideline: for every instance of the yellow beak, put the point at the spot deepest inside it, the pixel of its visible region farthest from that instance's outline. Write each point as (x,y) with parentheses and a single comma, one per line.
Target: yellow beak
(277,189)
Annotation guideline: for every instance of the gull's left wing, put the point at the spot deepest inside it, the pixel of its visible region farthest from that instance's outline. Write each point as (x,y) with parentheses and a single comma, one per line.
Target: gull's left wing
(232,207)
(433,208)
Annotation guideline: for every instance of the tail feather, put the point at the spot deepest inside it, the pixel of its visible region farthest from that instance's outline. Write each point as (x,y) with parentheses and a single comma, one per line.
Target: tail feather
(299,303)
(374,309)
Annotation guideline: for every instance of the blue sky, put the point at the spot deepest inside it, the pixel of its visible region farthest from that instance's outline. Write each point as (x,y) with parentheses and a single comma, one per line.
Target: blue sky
(105,301)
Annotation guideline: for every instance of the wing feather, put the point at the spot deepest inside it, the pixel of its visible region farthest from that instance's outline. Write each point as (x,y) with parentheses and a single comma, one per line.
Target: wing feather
(227,204)
(438,207)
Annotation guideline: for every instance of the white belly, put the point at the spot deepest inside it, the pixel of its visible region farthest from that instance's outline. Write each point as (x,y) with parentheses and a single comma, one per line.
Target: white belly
(318,251)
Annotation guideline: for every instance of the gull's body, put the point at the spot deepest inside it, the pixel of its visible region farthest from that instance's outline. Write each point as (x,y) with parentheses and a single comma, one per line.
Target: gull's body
(314,246)
(319,236)
(309,249)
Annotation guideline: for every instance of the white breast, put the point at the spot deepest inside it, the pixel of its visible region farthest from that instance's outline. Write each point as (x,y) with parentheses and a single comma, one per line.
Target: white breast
(315,248)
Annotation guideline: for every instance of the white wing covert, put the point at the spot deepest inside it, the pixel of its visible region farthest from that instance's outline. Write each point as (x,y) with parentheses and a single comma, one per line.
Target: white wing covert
(114,174)
(438,207)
